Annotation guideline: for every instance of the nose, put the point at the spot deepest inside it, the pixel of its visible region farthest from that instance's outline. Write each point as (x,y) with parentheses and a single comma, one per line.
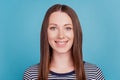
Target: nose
(61,34)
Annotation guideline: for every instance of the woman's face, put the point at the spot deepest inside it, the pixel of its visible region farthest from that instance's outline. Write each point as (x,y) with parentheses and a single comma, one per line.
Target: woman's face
(60,32)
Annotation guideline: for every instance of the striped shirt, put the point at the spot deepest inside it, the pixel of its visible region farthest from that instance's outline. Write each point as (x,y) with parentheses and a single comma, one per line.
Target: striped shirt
(92,73)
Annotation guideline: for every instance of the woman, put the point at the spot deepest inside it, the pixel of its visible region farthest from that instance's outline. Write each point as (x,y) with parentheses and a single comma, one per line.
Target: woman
(61,49)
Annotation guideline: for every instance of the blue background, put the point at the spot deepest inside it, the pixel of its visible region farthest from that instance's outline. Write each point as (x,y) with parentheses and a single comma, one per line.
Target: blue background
(20,23)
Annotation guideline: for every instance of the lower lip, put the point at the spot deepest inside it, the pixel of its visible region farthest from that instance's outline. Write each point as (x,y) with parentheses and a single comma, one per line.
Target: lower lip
(61,44)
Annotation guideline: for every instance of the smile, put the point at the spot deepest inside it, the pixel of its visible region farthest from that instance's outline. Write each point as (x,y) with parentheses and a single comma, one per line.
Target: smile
(61,43)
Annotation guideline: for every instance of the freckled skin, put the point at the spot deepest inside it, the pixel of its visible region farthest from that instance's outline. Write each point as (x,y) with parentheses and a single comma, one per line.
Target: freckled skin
(60,32)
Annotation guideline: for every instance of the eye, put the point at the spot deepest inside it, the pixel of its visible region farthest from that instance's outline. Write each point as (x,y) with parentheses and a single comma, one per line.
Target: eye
(52,28)
(68,28)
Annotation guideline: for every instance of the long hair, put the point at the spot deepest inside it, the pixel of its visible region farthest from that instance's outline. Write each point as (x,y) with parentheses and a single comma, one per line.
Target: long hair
(46,50)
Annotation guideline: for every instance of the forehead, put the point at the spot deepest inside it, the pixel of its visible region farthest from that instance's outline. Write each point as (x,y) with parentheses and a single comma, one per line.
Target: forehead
(59,17)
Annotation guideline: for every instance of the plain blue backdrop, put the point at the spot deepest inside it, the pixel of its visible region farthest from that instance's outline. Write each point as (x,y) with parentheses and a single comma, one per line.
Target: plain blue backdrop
(20,23)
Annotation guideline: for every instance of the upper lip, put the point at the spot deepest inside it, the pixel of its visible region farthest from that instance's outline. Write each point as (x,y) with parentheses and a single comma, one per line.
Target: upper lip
(61,41)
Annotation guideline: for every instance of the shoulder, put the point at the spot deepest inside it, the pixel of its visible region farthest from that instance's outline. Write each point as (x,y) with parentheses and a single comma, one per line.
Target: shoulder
(89,65)
(31,72)
(93,71)
(91,68)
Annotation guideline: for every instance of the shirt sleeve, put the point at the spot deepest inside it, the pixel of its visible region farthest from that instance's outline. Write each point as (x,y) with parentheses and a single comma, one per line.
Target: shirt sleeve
(93,72)
(99,74)
(31,73)
(27,75)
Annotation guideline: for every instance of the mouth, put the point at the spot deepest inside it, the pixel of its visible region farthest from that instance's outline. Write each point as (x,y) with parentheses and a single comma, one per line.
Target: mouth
(61,43)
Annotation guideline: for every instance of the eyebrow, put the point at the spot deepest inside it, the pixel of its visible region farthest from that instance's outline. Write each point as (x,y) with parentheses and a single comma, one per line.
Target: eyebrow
(67,24)
(53,24)
(56,24)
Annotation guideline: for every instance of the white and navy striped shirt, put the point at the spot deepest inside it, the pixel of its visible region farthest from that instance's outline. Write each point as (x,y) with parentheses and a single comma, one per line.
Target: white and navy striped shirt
(91,70)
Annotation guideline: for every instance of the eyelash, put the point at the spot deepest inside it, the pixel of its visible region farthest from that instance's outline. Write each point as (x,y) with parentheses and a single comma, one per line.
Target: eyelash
(68,28)
(52,28)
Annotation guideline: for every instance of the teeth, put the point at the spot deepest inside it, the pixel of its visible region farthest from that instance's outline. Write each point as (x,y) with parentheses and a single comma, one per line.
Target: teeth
(61,42)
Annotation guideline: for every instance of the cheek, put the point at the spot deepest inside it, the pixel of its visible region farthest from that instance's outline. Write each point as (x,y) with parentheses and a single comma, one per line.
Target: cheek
(51,39)
(70,35)
(51,36)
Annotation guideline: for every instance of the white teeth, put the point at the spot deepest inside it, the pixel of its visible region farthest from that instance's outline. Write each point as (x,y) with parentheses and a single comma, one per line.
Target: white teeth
(61,42)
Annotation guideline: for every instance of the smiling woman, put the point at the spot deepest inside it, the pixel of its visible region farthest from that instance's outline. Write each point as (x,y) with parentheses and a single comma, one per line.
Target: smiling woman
(61,49)
(60,32)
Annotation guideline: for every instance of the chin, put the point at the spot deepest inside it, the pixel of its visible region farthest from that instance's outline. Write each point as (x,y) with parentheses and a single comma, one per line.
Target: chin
(62,51)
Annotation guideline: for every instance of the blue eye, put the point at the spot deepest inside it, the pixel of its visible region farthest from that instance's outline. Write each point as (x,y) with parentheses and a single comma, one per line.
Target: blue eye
(68,28)
(52,28)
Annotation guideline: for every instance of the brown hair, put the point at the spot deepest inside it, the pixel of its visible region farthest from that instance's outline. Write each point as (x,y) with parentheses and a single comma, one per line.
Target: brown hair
(46,50)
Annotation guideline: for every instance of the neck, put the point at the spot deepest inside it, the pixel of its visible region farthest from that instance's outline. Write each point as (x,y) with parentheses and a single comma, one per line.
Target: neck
(61,62)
